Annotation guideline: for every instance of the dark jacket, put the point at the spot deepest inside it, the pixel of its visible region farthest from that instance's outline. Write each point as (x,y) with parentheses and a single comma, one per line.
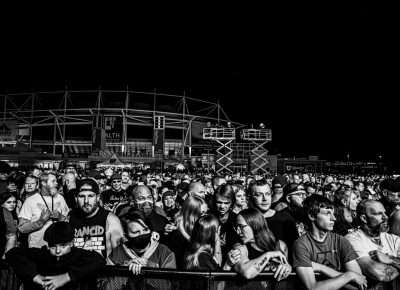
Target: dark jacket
(81,265)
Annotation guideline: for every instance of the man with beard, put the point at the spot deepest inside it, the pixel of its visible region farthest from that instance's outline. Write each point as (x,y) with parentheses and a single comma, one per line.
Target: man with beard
(378,250)
(281,223)
(143,200)
(390,190)
(278,183)
(293,196)
(40,210)
(95,228)
(321,251)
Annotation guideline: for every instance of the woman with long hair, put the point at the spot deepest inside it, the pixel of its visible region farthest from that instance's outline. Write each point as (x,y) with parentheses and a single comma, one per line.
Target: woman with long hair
(260,250)
(205,248)
(8,200)
(177,236)
(345,202)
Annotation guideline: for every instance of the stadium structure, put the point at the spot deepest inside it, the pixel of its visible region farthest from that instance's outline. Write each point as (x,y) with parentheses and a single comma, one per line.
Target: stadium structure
(135,128)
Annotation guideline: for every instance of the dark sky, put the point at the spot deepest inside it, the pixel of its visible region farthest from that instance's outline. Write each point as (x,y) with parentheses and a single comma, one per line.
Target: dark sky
(322,77)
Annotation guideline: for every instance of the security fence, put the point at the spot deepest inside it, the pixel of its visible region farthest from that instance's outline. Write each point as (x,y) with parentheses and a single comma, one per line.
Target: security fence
(116,278)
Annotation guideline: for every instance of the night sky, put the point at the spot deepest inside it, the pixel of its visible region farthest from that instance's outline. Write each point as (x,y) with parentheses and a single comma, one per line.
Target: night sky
(324,78)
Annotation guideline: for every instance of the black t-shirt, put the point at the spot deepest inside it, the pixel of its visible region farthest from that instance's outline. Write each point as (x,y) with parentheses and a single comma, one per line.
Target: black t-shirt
(90,233)
(283,226)
(69,197)
(228,234)
(111,198)
(176,242)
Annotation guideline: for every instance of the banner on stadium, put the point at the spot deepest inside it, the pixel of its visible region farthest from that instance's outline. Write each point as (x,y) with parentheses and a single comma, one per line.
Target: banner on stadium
(114,128)
(8,130)
(158,141)
(98,134)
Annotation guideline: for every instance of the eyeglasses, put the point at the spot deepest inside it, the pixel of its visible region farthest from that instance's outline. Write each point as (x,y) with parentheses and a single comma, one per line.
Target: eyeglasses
(240,227)
(116,181)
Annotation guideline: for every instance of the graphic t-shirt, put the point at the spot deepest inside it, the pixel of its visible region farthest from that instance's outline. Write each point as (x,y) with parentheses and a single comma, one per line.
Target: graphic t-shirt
(90,233)
(334,252)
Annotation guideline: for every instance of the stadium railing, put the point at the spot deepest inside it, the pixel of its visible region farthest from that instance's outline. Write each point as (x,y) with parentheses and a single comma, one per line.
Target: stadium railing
(117,277)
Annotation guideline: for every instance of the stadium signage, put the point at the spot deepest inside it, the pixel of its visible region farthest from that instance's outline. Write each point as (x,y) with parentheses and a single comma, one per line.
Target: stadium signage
(113,127)
(8,130)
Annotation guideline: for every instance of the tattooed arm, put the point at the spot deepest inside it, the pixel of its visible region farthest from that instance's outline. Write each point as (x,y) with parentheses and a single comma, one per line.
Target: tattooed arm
(381,257)
(376,270)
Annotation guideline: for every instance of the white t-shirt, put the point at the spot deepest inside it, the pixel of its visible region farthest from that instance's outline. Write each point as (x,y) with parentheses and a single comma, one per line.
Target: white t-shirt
(363,245)
(32,209)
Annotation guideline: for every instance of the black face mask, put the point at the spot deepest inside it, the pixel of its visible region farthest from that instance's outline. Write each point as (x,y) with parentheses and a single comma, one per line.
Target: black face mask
(139,242)
(145,207)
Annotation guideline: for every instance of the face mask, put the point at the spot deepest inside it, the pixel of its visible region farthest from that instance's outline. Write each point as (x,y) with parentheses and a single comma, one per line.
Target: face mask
(139,242)
(145,206)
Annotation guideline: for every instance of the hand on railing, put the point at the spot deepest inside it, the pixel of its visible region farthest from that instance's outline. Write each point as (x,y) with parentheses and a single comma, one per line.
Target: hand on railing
(282,271)
(136,265)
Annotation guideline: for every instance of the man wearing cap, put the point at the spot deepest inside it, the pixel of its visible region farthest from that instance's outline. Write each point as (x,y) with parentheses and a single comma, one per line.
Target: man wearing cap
(115,194)
(95,228)
(40,210)
(293,196)
(60,264)
(278,182)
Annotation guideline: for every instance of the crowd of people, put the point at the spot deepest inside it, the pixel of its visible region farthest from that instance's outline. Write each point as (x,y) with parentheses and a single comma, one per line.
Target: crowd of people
(58,228)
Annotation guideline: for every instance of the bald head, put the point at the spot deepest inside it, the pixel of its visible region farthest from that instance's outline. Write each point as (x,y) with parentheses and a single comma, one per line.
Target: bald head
(140,190)
(142,199)
(197,189)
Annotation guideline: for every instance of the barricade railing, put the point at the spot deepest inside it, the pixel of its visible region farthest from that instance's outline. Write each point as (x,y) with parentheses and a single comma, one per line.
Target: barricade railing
(120,278)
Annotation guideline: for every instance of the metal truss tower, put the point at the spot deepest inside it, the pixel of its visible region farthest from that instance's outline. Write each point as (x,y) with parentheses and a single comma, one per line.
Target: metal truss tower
(259,137)
(223,136)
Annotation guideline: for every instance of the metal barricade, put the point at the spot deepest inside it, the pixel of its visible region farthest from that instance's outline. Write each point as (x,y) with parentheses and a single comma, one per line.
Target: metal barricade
(120,278)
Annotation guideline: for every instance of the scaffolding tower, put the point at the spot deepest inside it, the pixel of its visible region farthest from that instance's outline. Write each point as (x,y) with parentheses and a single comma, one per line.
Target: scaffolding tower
(259,137)
(224,137)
